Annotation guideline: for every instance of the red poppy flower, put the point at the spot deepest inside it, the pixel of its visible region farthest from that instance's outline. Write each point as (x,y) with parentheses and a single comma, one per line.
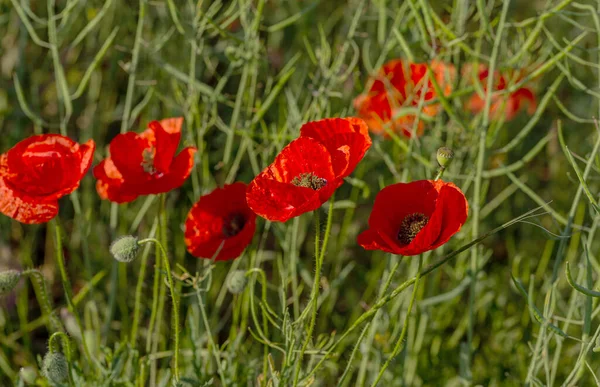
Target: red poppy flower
(507,104)
(411,218)
(145,163)
(309,169)
(37,172)
(401,84)
(221,219)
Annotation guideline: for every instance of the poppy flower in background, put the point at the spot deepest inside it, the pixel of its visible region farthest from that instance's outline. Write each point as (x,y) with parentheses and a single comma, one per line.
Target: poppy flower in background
(401,84)
(38,171)
(309,169)
(145,163)
(411,218)
(507,104)
(221,219)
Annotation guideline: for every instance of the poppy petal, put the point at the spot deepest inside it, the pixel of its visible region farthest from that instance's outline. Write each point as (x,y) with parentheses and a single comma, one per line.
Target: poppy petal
(109,184)
(126,152)
(204,234)
(371,240)
(180,169)
(279,202)
(443,204)
(273,196)
(454,208)
(347,140)
(24,208)
(86,155)
(168,135)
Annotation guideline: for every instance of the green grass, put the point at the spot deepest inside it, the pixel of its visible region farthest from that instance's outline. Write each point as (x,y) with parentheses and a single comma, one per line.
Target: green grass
(245,75)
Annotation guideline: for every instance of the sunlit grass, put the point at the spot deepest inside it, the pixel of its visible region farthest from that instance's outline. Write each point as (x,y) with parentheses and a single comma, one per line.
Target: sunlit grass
(245,75)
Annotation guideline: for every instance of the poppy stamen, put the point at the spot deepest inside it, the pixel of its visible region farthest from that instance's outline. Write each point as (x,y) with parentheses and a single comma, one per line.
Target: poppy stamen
(309,180)
(233,225)
(148,160)
(411,225)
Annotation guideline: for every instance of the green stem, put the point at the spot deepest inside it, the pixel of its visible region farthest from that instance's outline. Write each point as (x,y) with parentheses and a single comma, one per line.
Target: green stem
(384,300)
(215,348)
(312,303)
(476,202)
(66,349)
(175,301)
(67,287)
(39,283)
(319,257)
(399,344)
(138,292)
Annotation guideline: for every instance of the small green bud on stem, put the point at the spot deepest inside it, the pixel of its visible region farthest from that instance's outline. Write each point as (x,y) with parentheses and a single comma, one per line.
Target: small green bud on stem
(55,367)
(125,248)
(236,282)
(444,158)
(8,280)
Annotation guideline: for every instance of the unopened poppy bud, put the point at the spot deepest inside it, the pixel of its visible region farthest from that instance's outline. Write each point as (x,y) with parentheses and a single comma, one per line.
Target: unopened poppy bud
(125,248)
(444,156)
(55,367)
(8,280)
(236,282)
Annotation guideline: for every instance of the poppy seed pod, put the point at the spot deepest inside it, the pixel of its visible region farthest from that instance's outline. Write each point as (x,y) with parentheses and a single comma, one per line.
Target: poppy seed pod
(125,248)
(8,280)
(237,282)
(444,156)
(55,367)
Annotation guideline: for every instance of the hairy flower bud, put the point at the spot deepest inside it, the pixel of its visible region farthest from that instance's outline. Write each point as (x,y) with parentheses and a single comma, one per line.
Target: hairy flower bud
(55,367)
(125,248)
(8,280)
(236,282)
(444,156)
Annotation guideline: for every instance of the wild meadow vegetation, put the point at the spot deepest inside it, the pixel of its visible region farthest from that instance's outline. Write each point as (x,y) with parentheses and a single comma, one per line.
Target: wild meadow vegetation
(446,236)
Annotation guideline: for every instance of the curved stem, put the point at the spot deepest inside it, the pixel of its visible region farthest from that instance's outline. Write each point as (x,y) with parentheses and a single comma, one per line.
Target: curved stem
(384,300)
(399,344)
(173,299)
(66,348)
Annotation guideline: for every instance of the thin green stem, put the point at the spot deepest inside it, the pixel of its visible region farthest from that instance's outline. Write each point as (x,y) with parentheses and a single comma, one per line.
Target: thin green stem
(138,291)
(66,349)
(476,202)
(384,300)
(67,287)
(314,301)
(39,283)
(399,344)
(175,301)
(215,349)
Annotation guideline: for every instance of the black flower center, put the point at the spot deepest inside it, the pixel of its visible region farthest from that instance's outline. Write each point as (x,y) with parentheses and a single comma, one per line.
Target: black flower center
(233,225)
(410,227)
(309,180)
(148,160)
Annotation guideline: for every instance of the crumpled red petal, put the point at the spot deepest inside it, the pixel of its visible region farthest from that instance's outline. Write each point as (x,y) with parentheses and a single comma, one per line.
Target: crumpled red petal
(346,139)
(167,141)
(38,171)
